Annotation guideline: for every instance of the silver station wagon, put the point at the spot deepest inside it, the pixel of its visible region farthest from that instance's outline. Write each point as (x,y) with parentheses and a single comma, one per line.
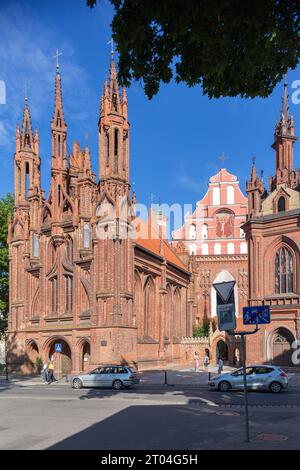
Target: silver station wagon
(258,377)
(107,376)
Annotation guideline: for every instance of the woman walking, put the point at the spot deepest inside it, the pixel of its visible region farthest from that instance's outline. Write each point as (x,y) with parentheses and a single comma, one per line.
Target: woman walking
(51,372)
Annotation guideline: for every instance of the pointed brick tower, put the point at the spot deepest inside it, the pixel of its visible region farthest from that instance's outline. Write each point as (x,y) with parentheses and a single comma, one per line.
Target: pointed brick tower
(26,160)
(284,139)
(115,248)
(59,152)
(255,190)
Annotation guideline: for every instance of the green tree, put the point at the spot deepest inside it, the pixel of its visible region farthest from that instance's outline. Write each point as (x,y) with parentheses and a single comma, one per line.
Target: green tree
(201,330)
(230,47)
(6,208)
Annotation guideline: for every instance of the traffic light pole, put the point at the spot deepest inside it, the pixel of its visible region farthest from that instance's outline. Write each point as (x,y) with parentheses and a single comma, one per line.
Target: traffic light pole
(243,334)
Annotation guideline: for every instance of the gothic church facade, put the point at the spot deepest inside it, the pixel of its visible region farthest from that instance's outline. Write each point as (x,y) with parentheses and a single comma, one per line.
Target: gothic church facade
(77,276)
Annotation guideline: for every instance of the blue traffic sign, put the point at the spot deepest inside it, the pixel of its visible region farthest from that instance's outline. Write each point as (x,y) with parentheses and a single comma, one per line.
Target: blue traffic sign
(58,347)
(258,315)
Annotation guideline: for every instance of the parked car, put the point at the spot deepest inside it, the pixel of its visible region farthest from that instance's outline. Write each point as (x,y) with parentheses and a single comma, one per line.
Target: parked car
(259,377)
(107,376)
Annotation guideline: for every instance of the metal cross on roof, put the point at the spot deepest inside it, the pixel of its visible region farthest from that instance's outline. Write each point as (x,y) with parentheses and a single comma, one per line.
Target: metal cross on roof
(26,91)
(222,158)
(56,57)
(152,197)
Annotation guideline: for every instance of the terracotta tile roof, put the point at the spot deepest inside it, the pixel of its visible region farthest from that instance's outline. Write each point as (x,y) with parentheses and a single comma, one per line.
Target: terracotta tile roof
(151,241)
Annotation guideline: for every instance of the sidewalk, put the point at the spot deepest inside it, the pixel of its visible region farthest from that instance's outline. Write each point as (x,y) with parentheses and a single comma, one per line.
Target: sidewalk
(183,377)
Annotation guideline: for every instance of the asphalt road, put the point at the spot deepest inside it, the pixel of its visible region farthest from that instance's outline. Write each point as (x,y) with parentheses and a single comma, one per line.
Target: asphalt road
(36,416)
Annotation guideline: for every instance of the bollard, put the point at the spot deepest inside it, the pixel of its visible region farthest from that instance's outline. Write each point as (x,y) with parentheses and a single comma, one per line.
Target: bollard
(209,376)
(166,378)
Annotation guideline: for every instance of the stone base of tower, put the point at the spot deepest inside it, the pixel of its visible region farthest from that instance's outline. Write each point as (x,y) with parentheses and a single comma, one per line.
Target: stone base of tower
(114,345)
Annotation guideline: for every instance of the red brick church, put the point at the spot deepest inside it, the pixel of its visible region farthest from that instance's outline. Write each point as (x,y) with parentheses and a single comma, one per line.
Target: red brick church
(77,276)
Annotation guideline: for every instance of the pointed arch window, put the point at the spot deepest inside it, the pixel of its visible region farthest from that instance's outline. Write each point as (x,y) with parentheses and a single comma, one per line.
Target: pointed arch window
(69,250)
(69,293)
(54,294)
(86,236)
(281,204)
(107,148)
(35,245)
(27,179)
(116,149)
(284,279)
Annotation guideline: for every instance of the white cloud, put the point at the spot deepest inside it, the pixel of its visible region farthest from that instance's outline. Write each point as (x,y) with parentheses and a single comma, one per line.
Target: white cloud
(27,48)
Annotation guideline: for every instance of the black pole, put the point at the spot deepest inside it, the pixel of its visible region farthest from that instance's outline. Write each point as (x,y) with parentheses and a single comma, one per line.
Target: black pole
(245,387)
(166,378)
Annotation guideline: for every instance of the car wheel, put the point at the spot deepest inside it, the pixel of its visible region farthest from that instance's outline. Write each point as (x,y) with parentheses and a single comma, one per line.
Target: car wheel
(275,387)
(117,385)
(224,386)
(77,383)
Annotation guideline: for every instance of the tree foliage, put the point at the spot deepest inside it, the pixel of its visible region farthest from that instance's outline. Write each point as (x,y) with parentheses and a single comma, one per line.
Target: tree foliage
(230,47)
(202,329)
(6,208)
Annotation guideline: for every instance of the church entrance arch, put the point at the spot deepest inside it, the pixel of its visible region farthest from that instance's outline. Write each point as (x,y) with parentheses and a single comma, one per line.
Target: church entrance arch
(62,360)
(222,350)
(281,347)
(86,356)
(32,352)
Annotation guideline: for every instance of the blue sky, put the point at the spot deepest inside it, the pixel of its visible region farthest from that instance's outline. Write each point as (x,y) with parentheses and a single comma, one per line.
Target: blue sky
(176,137)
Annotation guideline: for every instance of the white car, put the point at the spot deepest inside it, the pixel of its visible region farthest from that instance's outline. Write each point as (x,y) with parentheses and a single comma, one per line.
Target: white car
(258,377)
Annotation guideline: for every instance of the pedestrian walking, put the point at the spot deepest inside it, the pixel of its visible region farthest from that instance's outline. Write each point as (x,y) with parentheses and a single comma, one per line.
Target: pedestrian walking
(206,361)
(196,361)
(220,365)
(51,373)
(45,372)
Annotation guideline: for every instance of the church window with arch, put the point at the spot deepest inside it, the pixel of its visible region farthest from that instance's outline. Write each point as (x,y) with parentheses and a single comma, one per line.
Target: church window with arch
(86,235)
(284,278)
(193,232)
(281,204)
(35,245)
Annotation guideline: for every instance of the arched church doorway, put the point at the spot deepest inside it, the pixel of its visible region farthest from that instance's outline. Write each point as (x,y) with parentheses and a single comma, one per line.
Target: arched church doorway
(222,350)
(32,352)
(86,356)
(62,360)
(281,347)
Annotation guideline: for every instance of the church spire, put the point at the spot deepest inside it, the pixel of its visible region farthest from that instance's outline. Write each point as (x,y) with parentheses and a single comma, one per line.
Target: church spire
(113,130)
(26,159)
(27,140)
(255,190)
(114,88)
(284,139)
(58,127)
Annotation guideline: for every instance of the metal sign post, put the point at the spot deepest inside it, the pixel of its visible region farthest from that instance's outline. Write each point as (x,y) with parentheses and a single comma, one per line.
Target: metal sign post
(243,335)
(227,322)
